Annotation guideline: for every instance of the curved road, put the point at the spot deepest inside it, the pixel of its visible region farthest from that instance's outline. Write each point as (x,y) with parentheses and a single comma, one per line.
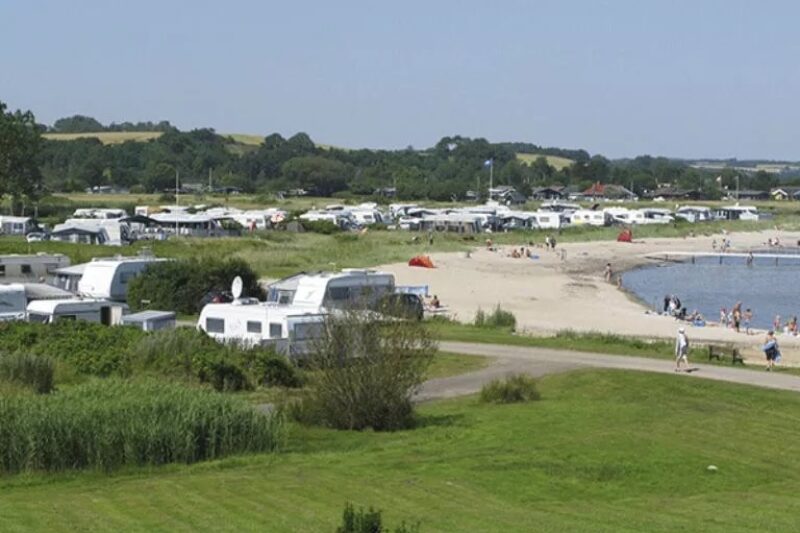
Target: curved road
(541,361)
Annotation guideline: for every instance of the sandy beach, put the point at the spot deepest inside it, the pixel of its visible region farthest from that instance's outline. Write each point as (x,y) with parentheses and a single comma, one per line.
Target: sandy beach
(547,294)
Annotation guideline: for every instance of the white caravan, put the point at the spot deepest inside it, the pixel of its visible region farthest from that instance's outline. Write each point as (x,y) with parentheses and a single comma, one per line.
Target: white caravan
(323,291)
(13,302)
(342,219)
(30,267)
(114,232)
(625,215)
(694,213)
(588,217)
(546,220)
(249,322)
(109,277)
(16,225)
(89,310)
(736,212)
(653,215)
(99,212)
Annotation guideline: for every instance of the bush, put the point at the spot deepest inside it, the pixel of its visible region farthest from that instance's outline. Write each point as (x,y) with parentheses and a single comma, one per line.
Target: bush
(270,370)
(28,370)
(107,424)
(497,319)
(325,227)
(370,521)
(513,389)
(181,285)
(365,372)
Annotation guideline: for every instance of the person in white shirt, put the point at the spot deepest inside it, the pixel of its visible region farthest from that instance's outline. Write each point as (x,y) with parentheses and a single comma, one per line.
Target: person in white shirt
(681,350)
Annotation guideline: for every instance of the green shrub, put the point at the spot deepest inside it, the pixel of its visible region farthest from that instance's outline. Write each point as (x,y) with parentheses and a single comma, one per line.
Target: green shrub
(107,424)
(28,370)
(513,389)
(181,285)
(270,369)
(370,521)
(497,319)
(325,227)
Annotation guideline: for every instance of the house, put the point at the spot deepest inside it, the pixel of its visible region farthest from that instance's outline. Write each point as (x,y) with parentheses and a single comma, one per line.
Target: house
(748,194)
(674,193)
(785,193)
(554,192)
(609,191)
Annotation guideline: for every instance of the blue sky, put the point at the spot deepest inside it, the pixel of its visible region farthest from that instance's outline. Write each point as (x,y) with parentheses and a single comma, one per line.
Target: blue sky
(621,78)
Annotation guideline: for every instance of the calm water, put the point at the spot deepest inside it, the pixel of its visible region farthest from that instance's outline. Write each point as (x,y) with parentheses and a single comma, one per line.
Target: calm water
(707,286)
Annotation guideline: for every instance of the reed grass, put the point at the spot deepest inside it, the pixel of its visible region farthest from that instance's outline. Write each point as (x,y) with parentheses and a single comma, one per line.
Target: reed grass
(28,370)
(112,423)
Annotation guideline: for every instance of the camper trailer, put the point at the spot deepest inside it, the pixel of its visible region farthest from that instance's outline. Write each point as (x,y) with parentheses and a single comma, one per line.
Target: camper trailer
(13,302)
(249,322)
(109,277)
(324,291)
(30,267)
(694,213)
(89,310)
(653,215)
(736,212)
(588,217)
(16,225)
(623,215)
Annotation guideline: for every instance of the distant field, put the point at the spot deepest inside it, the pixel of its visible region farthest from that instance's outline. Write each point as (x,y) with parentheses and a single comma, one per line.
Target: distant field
(554,161)
(107,137)
(245,138)
(603,451)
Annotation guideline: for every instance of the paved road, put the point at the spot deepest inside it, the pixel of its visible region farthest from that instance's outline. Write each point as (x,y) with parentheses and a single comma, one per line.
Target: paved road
(541,361)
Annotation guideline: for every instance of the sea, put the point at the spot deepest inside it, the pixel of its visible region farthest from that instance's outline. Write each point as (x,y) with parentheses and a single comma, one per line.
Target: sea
(768,287)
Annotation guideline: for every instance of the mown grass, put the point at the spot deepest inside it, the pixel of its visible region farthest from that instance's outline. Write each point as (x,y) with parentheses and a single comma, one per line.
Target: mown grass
(602,451)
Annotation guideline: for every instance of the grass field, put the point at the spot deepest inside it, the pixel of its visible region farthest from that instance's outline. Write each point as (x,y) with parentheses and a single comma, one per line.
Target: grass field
(107,137)
(554,161)
(603,451)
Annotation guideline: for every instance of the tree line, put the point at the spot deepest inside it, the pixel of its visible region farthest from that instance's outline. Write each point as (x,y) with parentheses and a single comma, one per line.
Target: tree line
(445,171)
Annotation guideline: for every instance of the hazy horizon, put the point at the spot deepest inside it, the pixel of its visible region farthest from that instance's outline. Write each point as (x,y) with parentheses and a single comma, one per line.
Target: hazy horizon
(708,79)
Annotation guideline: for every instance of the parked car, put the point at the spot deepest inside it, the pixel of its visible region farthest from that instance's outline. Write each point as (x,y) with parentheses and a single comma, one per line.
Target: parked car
(37,236)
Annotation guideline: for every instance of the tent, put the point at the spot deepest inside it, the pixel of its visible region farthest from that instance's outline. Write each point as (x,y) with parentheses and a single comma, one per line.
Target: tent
(421,261)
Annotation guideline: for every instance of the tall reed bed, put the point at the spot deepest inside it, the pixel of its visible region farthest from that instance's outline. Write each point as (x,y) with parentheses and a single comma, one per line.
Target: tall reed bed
(107,424)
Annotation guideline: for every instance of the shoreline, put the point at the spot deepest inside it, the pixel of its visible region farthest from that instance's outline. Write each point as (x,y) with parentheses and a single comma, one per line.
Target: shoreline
(548,295)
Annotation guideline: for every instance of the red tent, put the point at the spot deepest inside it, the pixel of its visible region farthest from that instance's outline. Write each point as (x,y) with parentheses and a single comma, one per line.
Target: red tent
(421,261)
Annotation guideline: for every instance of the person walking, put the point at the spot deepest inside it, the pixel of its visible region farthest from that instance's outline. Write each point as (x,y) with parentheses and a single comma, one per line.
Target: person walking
(771,350)
(681,350)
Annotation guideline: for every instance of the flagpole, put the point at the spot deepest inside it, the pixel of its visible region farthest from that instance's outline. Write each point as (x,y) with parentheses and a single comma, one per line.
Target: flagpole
(491,177)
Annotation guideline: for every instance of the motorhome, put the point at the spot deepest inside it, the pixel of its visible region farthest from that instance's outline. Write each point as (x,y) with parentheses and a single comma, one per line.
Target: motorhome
(13,302)
(99,212)
(736,212)
(694,213)
(588,217)
(86,309)
(249,322)
(108,278)
(24,268)
(323,291)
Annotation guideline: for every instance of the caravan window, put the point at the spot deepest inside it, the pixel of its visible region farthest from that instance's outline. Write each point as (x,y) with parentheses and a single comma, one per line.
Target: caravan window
(2,271)
(25,269)
(39,318)
(253,326)
(215,325)
(125,277)
(308,330)
(275,330)
(339,293)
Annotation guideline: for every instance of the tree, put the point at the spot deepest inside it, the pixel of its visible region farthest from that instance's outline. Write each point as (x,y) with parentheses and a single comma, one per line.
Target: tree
(366,370)
(77,124)
(20,144)
(319,174)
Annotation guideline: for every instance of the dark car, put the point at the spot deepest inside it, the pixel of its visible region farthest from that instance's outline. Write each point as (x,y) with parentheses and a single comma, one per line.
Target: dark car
(401,305)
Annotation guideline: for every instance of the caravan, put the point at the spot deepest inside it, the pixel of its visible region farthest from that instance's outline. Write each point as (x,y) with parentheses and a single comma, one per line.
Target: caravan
(109,277)
(324,291)
(13,302)
(588,217)
(89,310)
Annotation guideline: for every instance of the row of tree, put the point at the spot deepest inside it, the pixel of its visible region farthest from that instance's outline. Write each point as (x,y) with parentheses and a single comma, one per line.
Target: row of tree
(32,165)
(84,124)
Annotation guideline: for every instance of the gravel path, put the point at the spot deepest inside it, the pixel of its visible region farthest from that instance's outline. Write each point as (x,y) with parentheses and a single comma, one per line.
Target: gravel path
(542,361)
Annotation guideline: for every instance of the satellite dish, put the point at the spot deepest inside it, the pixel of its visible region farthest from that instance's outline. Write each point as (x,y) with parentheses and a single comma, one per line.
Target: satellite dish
(236,288)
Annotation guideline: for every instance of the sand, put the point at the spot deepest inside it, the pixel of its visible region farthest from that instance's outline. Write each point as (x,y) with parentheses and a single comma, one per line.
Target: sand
(548,295)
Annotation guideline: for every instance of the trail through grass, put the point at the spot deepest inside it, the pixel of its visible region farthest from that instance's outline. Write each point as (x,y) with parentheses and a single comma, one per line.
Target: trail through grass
(602,451)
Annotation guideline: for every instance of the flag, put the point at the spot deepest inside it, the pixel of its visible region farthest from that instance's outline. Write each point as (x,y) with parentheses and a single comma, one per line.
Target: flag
(488,163)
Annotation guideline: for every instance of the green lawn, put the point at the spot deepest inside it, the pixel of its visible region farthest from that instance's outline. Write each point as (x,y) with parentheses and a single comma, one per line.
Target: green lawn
(603,451)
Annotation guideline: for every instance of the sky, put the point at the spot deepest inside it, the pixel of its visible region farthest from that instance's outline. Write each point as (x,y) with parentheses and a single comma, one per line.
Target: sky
(620,78)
